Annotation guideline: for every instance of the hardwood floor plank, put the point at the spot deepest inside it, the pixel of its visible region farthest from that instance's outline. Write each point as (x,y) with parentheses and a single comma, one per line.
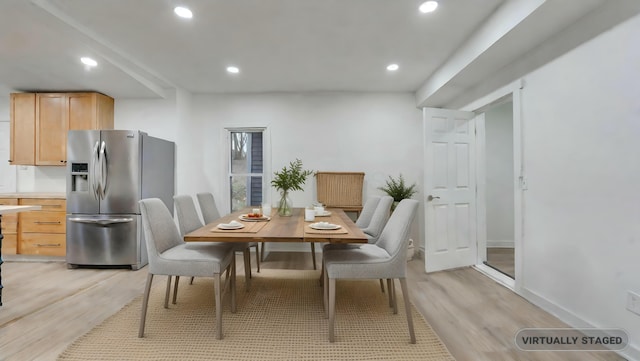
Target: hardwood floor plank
(47,306)
(478,318)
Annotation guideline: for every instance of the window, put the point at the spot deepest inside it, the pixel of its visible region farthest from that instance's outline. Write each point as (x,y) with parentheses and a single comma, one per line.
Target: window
(246,168)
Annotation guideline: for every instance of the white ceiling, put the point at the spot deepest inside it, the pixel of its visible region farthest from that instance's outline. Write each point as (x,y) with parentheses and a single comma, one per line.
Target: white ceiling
(143,49)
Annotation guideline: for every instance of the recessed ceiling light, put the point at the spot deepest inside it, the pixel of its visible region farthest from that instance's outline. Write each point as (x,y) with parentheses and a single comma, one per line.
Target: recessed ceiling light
(183,12)
(233,69)
(392,67)
(88,61)
(428,6)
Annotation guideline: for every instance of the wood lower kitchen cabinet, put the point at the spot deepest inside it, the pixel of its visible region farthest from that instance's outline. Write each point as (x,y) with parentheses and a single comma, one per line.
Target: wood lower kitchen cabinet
(40,121)
(9,228)
(42,232)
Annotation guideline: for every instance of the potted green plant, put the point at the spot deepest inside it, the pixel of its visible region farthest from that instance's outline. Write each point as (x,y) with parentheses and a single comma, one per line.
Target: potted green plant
(289,179)
(396,188)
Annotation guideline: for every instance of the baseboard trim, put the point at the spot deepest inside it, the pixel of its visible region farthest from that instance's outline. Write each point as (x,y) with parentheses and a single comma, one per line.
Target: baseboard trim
(631,352)
(501,244)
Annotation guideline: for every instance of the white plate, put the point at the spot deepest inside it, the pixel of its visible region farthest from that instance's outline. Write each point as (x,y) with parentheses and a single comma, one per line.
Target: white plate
(323,214)
(325,226)
(226,226)
(245,217)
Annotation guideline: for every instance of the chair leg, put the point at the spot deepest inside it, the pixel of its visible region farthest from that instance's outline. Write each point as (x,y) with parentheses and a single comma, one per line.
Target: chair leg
(262,252)
(392,294)
(233,285)
(381,285)
(332,308)
(145,302)
(175,290)
(247,268)
(325,292)
(313,254)
(321,280)
(218,303)
(191,281)
(407,306)
(167,292)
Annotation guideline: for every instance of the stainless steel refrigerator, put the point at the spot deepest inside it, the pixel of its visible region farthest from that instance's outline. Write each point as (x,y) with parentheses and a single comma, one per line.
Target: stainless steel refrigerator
(108,172)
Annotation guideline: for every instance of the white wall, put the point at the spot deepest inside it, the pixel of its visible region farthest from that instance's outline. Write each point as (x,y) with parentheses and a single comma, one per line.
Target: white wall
(168,119)
(379,134)
(7,172)
(499,175)
(581,125)
(4,108)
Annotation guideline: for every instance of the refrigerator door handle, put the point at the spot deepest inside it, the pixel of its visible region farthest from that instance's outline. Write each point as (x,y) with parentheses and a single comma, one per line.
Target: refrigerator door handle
(103,170)
(95,179)
(102,222)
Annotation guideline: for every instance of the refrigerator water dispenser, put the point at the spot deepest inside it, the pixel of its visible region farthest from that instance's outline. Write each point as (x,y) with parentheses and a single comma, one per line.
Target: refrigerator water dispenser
(79,177)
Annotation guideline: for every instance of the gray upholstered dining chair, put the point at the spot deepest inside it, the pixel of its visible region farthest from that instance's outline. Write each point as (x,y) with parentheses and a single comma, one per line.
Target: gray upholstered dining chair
(378,219)
(386,259)
(189,220)
(169,255)
(368,209)
(210,213)
(374,216)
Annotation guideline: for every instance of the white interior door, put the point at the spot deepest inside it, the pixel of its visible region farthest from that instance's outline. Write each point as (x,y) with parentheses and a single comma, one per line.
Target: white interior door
(7,172)
(450,189)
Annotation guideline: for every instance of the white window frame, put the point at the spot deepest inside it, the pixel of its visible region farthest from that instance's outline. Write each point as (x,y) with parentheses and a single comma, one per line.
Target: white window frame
(266,165)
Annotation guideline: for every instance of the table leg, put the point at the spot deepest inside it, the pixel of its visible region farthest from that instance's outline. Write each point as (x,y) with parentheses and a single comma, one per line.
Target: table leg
(1,237)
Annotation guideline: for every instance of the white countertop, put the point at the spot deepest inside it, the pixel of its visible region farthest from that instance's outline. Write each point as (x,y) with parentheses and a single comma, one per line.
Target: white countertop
(16,209)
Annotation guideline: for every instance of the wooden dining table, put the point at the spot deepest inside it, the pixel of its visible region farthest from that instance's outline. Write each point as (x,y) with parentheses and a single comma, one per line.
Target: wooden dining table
(281,229)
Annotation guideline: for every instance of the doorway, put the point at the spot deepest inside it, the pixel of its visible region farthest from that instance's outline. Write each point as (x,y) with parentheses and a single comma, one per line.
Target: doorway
(463,225)
(500,211)
(7,172)
(499,188)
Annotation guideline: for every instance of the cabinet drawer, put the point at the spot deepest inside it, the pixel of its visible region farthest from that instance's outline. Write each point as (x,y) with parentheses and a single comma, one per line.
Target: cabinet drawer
(9,243)
(43,244)
(9,220)
(10,223)
(48,205)
(43,222)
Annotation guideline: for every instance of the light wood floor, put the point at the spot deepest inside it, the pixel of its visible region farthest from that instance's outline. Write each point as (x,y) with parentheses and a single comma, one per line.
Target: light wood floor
(502,259)
(47,306)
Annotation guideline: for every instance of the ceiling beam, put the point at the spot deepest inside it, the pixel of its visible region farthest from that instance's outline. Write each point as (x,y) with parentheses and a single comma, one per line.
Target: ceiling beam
(505,19)
(109,52)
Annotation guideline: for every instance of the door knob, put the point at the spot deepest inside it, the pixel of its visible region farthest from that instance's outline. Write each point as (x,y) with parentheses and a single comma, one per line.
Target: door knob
(430,198)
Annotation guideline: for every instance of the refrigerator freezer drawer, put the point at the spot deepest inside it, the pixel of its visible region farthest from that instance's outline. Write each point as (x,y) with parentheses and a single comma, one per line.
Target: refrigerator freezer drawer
(105,240)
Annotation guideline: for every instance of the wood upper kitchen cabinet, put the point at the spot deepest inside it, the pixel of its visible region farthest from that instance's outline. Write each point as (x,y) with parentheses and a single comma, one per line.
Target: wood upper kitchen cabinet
(23,129)
(43,126)
(52,125)
(90,111)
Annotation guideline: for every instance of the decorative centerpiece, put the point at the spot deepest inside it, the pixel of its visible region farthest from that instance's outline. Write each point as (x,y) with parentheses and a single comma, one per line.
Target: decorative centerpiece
(397,189)
(286,180)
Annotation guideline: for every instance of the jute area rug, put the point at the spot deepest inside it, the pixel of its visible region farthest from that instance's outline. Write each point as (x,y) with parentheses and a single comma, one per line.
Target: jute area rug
(281,318)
